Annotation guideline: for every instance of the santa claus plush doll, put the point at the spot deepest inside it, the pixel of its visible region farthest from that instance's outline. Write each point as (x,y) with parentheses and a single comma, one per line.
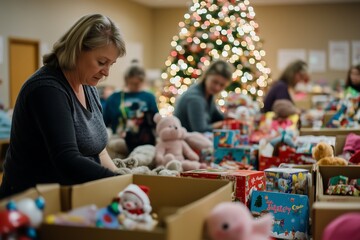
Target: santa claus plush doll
(135,206)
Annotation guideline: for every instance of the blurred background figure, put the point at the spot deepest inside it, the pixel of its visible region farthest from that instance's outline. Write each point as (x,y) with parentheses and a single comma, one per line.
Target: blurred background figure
(295,73)
(104,92)
(129,113)
(352,85)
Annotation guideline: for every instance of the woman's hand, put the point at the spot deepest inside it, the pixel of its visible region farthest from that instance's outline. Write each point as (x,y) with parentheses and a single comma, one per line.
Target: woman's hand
(106,161)
(217,125)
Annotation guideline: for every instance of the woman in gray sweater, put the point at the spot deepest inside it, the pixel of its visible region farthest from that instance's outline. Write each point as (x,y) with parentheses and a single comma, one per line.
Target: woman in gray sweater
(196,108)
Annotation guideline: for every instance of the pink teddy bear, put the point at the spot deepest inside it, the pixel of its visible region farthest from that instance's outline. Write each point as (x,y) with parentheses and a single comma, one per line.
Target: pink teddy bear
(172,145)
(233,221)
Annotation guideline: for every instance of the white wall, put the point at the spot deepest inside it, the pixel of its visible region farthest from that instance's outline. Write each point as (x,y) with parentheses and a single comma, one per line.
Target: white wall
(47,20)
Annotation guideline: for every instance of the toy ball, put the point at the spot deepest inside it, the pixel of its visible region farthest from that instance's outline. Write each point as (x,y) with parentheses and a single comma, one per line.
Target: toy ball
(30,208)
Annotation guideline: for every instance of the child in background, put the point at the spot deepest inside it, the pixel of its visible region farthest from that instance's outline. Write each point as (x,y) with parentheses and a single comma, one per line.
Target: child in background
(352,86)
(129,113)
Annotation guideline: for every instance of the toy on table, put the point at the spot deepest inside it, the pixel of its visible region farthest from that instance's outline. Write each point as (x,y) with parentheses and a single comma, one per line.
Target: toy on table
(20,219)
(355,183)
(355,158)
(323,153)
(339,119)
(340,185)
(233,221)
(285,137)
(83,216)
(110,216)
(285,115)
(134,204)
(172,145)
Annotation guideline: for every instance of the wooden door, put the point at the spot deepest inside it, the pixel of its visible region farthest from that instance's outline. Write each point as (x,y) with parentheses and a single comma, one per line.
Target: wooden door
(24,61)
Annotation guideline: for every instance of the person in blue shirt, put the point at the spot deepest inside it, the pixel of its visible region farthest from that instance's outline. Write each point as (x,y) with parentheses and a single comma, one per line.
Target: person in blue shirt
(129,113)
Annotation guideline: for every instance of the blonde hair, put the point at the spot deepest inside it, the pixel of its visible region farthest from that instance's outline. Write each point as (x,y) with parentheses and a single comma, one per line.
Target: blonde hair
(89,32)
(219,67)
(291,70)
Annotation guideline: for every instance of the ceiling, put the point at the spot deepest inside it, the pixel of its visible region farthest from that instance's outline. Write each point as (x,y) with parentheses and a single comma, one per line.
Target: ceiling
(186,3)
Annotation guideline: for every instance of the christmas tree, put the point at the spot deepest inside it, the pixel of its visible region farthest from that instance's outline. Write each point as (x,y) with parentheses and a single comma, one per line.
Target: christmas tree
(215,29)
(258,202)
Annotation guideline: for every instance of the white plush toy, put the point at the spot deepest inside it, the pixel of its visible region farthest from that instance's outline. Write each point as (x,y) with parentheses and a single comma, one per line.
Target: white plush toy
(135,205)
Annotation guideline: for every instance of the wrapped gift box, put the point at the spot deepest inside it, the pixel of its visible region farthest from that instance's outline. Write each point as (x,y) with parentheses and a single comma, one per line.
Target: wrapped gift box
(226,138)
(233,124)
(245,181)
(287,180)
(290,211)
(242,155)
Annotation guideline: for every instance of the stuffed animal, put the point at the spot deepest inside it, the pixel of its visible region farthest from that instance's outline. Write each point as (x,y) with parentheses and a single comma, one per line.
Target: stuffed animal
(172,145)
(20,219)
(233,221)
(198,141)
(323,153)
(286,115)
(134,203)
(284,108)
(141,156)
(141,159)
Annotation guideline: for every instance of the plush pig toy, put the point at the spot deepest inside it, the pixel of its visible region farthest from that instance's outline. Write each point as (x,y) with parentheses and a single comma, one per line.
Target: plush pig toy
(233,221)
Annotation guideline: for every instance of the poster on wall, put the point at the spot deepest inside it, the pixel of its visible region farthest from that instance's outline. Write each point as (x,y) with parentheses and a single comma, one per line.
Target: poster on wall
(339,55)
(1,49)
(317,61)
(355,52)
(286,56)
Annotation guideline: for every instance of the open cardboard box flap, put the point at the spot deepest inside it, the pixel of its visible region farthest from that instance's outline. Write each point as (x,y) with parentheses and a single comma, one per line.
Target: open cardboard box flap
(324,173)
(50,192)
(182,204)
(325,212)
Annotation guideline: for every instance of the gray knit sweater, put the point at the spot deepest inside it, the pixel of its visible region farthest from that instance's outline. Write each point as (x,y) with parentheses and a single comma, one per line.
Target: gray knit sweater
(195,112)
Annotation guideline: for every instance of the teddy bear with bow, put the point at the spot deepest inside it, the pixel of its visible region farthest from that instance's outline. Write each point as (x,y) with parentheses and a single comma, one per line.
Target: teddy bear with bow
(172,146)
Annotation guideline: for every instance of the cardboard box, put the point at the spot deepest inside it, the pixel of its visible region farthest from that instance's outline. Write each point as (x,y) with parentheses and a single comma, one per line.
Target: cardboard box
(181,203)
(287,180)
(50,192)
(324,173)
(340,135)
(290,211)
(244,181)
(325,212)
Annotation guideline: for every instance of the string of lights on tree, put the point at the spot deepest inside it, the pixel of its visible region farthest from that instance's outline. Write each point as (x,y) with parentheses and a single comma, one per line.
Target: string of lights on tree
(215,29)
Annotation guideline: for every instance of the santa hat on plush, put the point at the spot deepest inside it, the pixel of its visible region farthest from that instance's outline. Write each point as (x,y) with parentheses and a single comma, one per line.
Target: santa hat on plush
(345,226)
(140,192)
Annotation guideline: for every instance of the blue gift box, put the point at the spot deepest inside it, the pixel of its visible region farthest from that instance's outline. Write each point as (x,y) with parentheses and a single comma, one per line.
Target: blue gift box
(290,211)
(287,180)
(242,155)
(224,138)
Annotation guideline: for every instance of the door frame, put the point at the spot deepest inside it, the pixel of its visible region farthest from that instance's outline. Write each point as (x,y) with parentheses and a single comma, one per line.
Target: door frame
(34,42)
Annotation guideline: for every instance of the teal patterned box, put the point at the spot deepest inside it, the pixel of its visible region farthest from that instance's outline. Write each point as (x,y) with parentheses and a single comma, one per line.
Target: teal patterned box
(290,211)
